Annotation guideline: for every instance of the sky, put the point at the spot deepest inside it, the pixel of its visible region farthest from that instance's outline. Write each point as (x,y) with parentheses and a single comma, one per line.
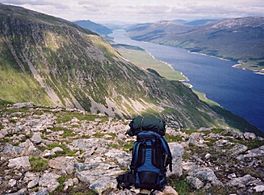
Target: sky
(138,11)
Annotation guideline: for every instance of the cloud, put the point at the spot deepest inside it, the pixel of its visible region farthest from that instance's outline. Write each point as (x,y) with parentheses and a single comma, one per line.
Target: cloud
(143,10)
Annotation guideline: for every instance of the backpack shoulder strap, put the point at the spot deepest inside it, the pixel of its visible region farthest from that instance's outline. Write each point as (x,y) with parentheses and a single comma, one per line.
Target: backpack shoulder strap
(168,156)
(135,155)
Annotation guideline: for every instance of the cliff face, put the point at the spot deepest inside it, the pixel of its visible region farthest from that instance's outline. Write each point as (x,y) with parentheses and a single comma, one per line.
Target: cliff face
(51,61)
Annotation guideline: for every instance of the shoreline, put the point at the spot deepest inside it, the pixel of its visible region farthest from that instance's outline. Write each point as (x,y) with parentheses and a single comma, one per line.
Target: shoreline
(169,65)
(203,96)
(238,65)
(204,54)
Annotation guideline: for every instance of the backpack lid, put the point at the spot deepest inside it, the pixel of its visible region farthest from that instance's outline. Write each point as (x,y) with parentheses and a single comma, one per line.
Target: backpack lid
(147,123)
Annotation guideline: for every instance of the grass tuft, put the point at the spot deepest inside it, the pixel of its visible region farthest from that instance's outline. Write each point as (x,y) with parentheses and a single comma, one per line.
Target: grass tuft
(180,185)
(66,151)
(38,164)
(67,116)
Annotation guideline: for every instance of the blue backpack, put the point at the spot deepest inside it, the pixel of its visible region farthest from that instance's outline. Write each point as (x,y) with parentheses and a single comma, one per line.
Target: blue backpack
(150,157)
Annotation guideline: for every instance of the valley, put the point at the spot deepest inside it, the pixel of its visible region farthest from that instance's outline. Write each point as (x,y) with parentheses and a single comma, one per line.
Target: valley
(237,39)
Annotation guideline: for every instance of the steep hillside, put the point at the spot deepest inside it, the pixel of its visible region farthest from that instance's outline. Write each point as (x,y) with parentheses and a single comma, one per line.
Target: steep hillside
(51,61)
(238,39)
(95,27)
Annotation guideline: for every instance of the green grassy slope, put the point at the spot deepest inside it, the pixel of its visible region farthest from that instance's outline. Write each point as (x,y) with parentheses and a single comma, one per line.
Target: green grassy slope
(144,60)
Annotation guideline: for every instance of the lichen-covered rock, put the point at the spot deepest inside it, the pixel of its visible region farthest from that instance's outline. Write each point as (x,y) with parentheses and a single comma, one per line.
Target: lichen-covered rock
(205,174)
(103,183)
(242,182)
(12,151)
(237,149)
(168,190)
(250,136)
(259,188)
(49,180)
(64,164)
(123,158)
(196,139)
(195,182)
(256,152)
(19,162)
(177,151)
(36,138)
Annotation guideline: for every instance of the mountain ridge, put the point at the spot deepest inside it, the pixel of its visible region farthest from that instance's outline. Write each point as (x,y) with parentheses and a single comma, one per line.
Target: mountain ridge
(73,67)
(238,39)
(95,27)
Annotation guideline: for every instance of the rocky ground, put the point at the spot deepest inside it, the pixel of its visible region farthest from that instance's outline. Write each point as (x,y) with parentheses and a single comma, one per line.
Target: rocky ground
(57,151)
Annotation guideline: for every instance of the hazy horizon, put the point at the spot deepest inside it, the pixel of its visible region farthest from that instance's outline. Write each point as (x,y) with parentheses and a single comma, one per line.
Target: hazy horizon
(140,11)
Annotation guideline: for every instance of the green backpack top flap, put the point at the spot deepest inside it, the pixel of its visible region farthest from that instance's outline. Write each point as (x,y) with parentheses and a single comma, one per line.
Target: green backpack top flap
(147,123)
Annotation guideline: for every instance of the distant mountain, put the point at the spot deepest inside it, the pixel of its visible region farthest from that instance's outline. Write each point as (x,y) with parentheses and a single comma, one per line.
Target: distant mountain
(95,27)
(201,22)
(153,31)
(240,39)
(50,61)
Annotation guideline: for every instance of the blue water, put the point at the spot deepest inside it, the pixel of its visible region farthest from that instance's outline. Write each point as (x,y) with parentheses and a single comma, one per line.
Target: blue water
(239,91)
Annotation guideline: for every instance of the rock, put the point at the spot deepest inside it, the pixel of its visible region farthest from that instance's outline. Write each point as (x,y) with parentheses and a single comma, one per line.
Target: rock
(121,136)
(20,162)
(47,154)
(103,183)
(42,191)
(56,150)
(196,139)
(49,180)
(235,133)
(195,182)
(120,156)
(64,164)
(87,144)
(36,138)
(75,120)
(242,182)
(75,180)
(68,184)
(207,156)
(33,183)
(28,148)
(20,192)
(237,149)
(250,136)
(11,150)
(100,175)
(177,151)
(259,188)
(188,166)
(232,175)
(171,131)
(12,182)
(256,152)
(29,176)
(3,133)
(260,138)
(168,190)
(23,105)
(205,174)
(222,142)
